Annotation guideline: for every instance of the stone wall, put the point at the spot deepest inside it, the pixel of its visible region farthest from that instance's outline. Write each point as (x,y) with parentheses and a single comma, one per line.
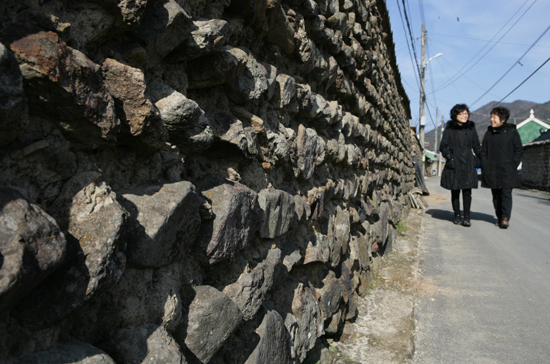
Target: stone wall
(193,181)
(535,169)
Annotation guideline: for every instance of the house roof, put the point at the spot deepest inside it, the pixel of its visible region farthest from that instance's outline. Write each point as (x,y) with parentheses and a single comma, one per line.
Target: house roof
(429,155)
(530,128)
(544,135)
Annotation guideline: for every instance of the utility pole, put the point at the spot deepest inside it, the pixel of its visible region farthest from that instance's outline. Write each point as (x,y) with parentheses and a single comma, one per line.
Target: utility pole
(423,65)
(440,156)
(435,142)
(436,123)
(422,98)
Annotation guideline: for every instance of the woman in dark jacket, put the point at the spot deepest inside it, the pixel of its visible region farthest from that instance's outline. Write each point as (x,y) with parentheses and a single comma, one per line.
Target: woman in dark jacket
(458,141)
(501,154)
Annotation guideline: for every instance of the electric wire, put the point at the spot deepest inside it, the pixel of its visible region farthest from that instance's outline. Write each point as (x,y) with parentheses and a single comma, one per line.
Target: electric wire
(411,36)
(515,63)
(511,92)
(455,77)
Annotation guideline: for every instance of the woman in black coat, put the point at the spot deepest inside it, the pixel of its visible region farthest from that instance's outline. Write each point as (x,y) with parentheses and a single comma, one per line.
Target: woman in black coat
(501,154)
(458,141)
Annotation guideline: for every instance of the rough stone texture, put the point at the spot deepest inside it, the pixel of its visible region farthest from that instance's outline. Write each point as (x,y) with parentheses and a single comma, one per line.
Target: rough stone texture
(14,116)
(250,290)
(212,318)
(251,83)
(535,170)
(273,346)
(237,218)
(185,121)
(207,36)
(216,68)
(146,344)
(64,84)
(165,223)
(141,124)
(278,209)
(69,352)
(226,173)
(94,260)
(163,29)
(303,321)
(31,246)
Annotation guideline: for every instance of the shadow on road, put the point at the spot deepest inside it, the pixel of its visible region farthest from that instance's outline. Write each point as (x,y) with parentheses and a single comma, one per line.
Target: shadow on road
(448,215)
(544,200)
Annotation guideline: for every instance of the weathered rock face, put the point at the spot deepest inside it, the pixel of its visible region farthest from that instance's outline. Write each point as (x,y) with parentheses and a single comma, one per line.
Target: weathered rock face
(194,181)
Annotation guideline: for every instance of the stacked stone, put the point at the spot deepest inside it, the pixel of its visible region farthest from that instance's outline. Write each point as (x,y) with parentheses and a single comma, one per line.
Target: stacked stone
(194,181)
(535,168)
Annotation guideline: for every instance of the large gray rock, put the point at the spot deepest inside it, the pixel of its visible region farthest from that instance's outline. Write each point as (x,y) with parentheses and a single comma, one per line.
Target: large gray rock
(144,344)
(310,151)
(233,139)
(311,56)
(141,296)
(274,346)
(142,127)
(67,86)
(330,295)
(14,116)
(297,303)
(212,318)
(340,236)
(31,246)
(359,248)
(318,249)
(165,223)
(278,208)
(94,220)
(216,68)
(187,126)
(163,28)
(280,30)
(285,90)
(89,210)
(206,37)
(237,217)
(251,83)
(72,352)
(251,288)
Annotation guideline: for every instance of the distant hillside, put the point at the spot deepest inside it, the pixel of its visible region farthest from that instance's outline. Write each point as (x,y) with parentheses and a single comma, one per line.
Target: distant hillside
(519,111)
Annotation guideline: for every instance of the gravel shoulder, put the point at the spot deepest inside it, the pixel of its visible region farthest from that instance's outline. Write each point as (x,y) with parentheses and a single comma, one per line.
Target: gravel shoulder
(384,330)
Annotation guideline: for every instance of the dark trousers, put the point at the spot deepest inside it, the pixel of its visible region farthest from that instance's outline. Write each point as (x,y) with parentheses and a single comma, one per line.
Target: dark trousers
(502,201)
(466,201)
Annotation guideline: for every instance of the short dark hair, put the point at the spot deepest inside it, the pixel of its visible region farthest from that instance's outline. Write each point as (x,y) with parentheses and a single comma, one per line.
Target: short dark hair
(502,112)
(457,109)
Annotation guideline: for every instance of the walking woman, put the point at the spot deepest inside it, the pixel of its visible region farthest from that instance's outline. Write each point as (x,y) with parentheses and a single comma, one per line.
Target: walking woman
(458,145)
(501,154)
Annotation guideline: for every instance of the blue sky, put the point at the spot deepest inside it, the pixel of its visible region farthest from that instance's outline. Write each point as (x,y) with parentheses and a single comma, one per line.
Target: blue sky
(482,42)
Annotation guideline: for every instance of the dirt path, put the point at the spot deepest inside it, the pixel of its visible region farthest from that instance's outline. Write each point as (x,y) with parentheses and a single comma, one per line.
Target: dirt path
(383,331)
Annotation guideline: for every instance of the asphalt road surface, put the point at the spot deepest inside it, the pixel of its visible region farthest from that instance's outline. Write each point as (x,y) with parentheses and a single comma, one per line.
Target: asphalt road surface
(484,293)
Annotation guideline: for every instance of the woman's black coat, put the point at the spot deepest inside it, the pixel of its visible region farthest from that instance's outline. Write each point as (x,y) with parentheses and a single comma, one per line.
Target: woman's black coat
(456,146)
(501,153)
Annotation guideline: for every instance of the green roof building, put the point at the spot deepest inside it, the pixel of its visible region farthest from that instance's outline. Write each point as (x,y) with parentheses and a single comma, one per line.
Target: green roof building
(530,128)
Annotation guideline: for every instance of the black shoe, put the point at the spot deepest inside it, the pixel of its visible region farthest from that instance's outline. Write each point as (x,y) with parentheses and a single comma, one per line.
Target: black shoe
(504,223)
(458,220)
(466,222)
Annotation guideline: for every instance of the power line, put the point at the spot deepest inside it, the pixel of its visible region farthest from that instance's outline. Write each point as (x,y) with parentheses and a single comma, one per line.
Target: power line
(520,58)
(454,78)
(410,35)
(483,40)
(406,39)
(511,92)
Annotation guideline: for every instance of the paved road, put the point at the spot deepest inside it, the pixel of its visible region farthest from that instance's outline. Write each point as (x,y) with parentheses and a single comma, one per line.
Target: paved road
(484,295)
